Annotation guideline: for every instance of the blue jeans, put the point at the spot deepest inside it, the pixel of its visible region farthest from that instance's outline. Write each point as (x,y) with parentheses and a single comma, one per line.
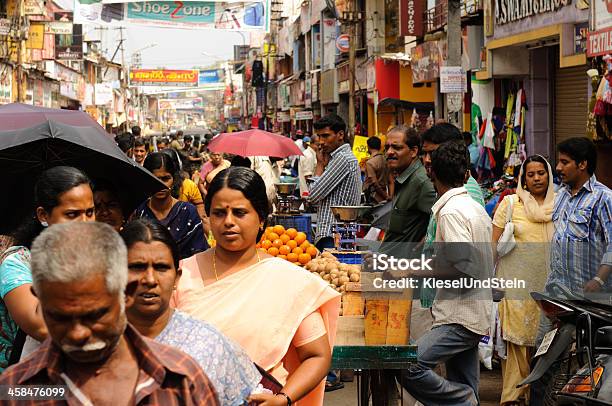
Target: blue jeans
(457,347)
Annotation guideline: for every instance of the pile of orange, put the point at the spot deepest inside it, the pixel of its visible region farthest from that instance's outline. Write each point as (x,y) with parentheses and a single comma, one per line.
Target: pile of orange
(289,244)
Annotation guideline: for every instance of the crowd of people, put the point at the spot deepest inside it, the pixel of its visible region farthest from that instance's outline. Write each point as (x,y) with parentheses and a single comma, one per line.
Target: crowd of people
(173,303)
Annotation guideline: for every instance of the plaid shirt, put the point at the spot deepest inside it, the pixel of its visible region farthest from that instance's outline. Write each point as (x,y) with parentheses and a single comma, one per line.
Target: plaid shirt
(339,185)
(167,376)
(582,241)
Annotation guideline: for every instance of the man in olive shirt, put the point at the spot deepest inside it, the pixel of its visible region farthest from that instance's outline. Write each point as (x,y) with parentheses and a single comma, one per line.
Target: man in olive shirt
(414,192)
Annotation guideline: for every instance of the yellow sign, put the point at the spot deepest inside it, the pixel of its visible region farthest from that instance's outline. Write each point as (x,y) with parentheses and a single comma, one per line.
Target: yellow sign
(36,36)
(360,147)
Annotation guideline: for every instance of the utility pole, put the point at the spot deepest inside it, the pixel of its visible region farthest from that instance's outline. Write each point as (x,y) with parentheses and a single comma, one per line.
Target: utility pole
(123,70)
(352,45)
(454,101)
(19,16)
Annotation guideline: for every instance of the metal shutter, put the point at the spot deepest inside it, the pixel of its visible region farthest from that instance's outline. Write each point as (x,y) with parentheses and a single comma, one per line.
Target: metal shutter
(571,102)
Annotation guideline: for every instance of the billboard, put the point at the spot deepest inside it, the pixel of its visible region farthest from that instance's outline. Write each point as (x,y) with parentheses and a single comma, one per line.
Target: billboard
(237,16)
(211,76)
(164,77)
(68,46)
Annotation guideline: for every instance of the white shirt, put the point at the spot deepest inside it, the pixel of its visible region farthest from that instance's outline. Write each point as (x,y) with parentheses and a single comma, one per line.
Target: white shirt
(464,225)
(263,166)
(306,168)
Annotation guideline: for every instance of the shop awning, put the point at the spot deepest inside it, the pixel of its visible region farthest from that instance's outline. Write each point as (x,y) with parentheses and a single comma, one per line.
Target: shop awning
(422,108)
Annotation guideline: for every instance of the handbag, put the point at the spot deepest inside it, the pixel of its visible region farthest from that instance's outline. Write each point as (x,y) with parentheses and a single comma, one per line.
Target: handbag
(506,242)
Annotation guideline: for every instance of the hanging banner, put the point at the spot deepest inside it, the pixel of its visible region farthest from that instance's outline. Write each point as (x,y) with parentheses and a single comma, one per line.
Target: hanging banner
(159,77)
(211,76)
(181,104)
(236,16)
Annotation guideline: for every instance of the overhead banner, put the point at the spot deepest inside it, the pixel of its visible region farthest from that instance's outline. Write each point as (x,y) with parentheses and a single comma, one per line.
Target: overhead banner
(211,76)
(236,16)
(159,77)
(181,104)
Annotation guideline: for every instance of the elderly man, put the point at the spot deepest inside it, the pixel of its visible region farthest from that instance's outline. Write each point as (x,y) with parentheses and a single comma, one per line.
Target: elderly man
(79,274)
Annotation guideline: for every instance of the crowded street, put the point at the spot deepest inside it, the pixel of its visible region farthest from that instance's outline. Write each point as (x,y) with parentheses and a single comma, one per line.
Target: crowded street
(306,202)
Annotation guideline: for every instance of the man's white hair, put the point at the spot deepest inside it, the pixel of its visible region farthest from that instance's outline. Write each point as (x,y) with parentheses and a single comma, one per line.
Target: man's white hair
(77,251)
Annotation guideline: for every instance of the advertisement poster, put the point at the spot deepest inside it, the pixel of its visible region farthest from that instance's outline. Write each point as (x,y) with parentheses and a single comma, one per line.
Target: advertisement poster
(159,77)
(211,76)
(330,33)
(68,46)
(237,16)
(103,94)
(452,79)
(429,56)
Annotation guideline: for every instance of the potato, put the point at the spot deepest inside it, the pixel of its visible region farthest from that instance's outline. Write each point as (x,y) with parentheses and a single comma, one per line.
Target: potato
(335,282)
(327,277)
(344,274)
(342,289)
(343,280)
(322,274)
(330,267)
(355,277)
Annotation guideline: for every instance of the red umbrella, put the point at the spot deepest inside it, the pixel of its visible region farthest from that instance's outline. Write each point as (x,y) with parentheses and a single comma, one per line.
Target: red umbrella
(254,143)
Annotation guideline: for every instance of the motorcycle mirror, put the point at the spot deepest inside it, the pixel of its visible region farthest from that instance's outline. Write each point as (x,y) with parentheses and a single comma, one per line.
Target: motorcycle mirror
(603,339)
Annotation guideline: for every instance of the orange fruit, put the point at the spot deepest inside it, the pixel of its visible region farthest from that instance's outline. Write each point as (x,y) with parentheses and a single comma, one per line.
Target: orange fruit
(312,251)
(278,229)
(297,251)
(291,232)
(292,244)
(258,245)
(273,251)
(285,238)
(265,244)
(282,257)
(304,258)
(284,250)
(292,257)
(300,238)
(269,230)
(305,245)
(277,243)
(272,236)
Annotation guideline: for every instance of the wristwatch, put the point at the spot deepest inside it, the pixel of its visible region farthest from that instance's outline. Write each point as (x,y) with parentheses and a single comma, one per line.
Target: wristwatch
(599,280)
(289,402)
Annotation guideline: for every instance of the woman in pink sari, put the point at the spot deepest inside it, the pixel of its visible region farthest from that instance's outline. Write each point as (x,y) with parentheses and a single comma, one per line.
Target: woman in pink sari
(284,317)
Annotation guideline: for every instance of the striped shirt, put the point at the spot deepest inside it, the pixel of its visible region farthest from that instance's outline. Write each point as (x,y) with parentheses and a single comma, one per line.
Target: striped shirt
(339,185)
(582,239)
(167,376)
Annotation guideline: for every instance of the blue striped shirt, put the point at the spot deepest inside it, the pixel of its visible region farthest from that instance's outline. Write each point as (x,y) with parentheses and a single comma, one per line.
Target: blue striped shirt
(582,239)
(339,185)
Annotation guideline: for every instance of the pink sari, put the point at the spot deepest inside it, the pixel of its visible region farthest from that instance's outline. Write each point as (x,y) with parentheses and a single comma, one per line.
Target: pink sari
(261,308)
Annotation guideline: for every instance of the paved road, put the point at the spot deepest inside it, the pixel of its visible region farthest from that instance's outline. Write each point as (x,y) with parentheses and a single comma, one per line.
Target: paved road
(490,390)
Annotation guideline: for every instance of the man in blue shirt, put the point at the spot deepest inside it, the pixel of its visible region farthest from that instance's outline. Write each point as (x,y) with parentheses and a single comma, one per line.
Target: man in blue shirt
(581,252)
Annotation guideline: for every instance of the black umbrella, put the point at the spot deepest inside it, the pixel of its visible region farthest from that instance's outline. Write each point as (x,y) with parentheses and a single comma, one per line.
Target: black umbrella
(33,139)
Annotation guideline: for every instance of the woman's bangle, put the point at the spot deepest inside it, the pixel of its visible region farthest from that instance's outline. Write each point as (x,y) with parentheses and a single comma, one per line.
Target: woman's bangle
(289,401)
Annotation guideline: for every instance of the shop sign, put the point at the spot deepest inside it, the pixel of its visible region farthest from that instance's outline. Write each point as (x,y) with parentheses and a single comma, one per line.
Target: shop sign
(162,77)
(330,33)
(36,36)
(580,37)
(69,46)
(601,14)
(315,87)
(59,27)
(411,18)
(308,92)
(343,43)
(599,43)
(329,87)
(508,11)
(283,117)
(428,57)
(5,26)
(303,115)
(103,94)
(452,79)
(34,7)
(6,84)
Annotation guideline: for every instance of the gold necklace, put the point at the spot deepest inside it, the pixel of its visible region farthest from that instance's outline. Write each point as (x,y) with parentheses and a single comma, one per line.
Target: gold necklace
(214,261)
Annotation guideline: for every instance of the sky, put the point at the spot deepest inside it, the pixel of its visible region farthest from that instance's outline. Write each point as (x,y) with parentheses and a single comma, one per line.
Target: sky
(175,48)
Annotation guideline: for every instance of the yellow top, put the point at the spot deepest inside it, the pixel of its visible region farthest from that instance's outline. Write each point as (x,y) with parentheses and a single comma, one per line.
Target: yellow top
(189,192)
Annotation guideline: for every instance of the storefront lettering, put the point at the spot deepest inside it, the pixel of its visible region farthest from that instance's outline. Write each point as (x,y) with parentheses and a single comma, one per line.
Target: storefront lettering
(177,10)
(507,11)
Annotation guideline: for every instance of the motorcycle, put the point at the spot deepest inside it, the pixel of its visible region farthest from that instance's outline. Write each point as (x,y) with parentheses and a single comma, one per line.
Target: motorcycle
(570,362)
